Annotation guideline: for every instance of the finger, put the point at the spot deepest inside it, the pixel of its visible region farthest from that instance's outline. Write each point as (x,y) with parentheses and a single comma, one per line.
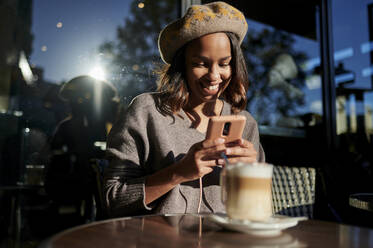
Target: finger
(241,152)
(197,146)
(212,143)
(242,159)
(211,153)
(212,163)
(238,142)
(202,171)
(205,171)
(211,147)
(245,143)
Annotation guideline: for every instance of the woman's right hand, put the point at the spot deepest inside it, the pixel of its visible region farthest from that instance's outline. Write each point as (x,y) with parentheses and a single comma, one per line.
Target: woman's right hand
(200,159)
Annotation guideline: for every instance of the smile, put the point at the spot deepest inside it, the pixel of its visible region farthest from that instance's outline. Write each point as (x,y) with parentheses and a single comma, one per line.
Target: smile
(209,90)
(213,87)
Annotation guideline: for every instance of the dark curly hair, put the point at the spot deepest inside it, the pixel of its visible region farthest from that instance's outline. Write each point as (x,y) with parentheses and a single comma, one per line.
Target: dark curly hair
(174,90)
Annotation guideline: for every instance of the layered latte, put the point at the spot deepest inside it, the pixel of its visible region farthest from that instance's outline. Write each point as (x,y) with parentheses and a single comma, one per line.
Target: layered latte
(248,191)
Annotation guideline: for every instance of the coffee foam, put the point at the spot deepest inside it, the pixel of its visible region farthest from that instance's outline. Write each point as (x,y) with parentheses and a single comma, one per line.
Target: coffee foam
(259,170)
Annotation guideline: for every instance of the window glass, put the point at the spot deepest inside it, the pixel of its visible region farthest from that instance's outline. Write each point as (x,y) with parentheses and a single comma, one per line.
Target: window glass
(283,59)
(45,44)
(284,86)
(353,57)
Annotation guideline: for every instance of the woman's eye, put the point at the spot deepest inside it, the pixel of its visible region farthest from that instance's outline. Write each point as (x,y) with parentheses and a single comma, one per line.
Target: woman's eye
(199,64)
(224,65)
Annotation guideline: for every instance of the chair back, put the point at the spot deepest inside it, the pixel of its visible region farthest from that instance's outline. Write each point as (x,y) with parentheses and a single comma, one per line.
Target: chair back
(293,190)
(98,167)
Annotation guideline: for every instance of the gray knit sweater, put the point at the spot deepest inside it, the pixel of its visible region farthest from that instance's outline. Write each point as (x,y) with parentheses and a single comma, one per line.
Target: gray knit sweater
(144,141)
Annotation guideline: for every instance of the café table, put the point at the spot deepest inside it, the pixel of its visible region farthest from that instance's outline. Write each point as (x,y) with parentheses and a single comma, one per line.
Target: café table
(188,230)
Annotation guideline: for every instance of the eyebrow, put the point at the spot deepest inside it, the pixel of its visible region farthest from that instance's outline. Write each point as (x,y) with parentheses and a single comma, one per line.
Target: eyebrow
(205,58)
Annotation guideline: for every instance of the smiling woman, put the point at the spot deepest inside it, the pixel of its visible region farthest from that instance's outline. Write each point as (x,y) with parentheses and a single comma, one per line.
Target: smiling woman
(208,74)
(208,68)
(157,150)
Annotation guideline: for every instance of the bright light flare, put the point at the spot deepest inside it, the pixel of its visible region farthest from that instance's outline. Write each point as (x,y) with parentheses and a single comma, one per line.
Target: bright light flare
(98,72)
(25,69)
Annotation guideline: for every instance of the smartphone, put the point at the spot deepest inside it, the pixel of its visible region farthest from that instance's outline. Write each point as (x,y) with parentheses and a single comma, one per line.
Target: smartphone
(228,127)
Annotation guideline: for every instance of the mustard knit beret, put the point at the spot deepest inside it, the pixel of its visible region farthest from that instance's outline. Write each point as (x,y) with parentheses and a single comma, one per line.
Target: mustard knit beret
(200,20)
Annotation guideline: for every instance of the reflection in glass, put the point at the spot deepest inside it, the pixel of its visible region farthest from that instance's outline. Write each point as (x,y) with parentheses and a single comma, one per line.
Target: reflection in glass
(277,83)
(132,56)
(281,58)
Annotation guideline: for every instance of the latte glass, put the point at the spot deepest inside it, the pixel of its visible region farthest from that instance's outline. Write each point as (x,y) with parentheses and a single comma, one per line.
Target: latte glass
(247,191)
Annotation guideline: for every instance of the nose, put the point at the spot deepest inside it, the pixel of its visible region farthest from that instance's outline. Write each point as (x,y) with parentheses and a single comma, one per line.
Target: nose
(213,73)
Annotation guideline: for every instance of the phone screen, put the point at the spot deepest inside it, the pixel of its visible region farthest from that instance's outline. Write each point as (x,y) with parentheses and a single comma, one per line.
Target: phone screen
(227,127)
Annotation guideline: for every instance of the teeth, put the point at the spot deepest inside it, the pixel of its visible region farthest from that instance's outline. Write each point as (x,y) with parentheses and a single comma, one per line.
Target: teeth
(213,87)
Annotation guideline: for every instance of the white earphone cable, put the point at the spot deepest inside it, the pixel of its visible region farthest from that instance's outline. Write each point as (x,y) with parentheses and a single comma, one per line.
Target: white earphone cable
(200,195)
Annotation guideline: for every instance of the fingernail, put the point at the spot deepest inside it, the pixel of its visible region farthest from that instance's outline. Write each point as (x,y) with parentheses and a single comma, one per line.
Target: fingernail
(220,140)
(221,161)
(227,151)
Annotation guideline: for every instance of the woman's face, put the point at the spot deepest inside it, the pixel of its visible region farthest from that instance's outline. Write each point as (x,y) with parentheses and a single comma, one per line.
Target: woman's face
(208,67)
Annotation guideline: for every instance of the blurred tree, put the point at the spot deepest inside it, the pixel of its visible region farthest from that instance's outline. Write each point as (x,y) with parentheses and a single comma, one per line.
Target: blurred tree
(134,55)
(270,97)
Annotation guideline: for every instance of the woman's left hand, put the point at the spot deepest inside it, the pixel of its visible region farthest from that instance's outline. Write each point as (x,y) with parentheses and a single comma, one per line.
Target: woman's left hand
(241,151)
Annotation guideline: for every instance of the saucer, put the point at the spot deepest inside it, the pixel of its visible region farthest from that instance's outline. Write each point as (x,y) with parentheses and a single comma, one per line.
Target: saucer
(272,227)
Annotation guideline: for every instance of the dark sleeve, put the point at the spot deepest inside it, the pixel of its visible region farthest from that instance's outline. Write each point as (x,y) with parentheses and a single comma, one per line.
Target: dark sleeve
(59,136)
